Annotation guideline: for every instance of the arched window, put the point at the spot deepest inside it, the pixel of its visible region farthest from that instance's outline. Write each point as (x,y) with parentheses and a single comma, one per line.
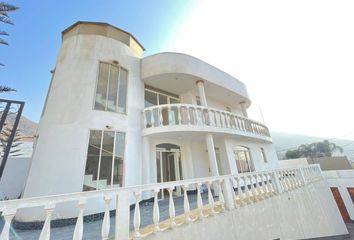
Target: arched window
(243,159)
(264,157)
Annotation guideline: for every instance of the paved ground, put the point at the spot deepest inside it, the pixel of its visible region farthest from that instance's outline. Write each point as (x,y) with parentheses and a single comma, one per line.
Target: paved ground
(350,227)
(92,230)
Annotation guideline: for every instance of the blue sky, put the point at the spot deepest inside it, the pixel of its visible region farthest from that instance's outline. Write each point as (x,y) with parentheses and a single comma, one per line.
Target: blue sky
(36,37)
(295,57)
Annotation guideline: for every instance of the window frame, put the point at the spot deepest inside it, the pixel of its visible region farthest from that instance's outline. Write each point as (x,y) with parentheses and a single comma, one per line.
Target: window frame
(113,160)
(158,93)
(96,85)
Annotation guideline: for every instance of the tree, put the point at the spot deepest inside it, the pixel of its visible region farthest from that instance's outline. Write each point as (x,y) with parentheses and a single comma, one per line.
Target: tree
(316,149)
(5,9)
(4,139)
(292,154)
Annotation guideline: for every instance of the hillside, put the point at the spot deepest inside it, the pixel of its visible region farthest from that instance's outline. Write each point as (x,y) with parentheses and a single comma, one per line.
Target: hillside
(285,141)
(26,127)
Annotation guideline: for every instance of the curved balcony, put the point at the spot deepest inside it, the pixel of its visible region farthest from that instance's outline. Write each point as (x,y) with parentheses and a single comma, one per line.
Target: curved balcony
(187,117)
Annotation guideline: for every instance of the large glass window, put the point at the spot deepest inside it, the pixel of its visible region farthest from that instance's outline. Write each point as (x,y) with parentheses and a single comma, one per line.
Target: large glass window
(105,157)
(154,98)
(243,159)
(111,90)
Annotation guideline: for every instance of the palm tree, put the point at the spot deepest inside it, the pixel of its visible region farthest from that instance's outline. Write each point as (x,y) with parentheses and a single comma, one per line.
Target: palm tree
(5,8)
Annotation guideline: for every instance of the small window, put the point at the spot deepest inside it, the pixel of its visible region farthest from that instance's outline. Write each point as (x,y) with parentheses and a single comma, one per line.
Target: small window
(111,89)
(105,157)
(228,109)
(264,157)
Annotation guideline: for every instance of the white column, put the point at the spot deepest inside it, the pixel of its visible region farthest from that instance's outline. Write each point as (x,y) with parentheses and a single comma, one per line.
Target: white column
(146,161)
(209,137)
(230,157)
(201,91)
(243,108)
(211,153)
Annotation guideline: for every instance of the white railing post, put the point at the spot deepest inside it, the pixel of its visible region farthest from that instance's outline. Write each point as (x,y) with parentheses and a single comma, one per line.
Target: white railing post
(122,215)
(221,195)
(156,211)
(79,226)
(45,233)
(186,204)
(137,234)
(8,216)
(106,218)
(278,186)
(211,199)
(171,209)
(199,201)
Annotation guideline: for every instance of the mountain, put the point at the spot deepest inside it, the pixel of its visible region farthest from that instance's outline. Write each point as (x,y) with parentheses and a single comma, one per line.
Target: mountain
(288,141)
(26,127)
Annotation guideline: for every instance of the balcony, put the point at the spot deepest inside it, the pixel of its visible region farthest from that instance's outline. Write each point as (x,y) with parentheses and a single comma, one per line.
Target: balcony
(187,117)
(226,204)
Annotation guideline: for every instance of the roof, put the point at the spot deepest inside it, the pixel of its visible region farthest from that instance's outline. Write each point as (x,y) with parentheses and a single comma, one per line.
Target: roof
(102,24)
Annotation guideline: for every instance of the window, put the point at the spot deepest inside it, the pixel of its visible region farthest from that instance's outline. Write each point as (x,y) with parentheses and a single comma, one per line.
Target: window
(155,97)
(105,156)
(228,109)
(111,90)
(264,157)
(243,159)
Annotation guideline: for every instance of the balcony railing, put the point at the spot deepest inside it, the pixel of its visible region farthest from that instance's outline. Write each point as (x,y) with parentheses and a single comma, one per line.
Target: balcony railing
(193,115)
(229,192)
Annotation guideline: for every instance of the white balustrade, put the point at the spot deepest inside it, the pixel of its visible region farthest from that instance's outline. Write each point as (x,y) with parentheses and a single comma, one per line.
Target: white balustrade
(255,185)
(137,215)
(187,114)
(79,227)
(45,233)
(106,218)
(187,210)
(156,211)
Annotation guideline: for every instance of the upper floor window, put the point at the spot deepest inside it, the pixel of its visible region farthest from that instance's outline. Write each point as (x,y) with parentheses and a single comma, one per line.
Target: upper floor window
(111,90)
(264,157)
(105,157)
(155,97)
(228,109)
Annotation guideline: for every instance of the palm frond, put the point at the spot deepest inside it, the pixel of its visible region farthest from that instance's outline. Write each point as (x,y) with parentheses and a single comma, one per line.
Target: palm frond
(5,19)
(5,7)
(2,41)
(4,33)
(6,89)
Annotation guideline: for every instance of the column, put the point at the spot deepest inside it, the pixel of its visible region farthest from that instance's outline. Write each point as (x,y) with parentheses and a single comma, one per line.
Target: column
(243,108)
(209,137)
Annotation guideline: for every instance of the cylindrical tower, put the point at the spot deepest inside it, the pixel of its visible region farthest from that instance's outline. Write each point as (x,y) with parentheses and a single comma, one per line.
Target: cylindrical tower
(91,122)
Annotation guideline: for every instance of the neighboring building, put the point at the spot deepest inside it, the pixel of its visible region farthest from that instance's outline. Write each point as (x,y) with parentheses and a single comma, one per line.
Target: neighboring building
(326,163)
(115,118)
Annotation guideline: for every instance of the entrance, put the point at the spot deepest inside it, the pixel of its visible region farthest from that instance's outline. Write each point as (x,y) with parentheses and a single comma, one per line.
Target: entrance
(169,167)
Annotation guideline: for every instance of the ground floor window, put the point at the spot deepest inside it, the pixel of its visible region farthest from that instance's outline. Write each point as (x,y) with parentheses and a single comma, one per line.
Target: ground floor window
(243,159)
(105,158)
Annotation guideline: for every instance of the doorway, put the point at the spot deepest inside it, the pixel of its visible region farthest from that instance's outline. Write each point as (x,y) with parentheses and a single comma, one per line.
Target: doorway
(169,167)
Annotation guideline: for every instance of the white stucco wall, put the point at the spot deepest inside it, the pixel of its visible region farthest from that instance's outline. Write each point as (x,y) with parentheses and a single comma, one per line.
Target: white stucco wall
(59,159)
(342,179)
(305,213)
(14,177)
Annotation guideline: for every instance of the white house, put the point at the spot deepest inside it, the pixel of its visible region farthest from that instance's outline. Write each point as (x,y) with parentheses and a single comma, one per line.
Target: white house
(114,119)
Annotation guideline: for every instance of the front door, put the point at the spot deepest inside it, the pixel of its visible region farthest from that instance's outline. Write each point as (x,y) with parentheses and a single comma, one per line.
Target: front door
(168,169)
